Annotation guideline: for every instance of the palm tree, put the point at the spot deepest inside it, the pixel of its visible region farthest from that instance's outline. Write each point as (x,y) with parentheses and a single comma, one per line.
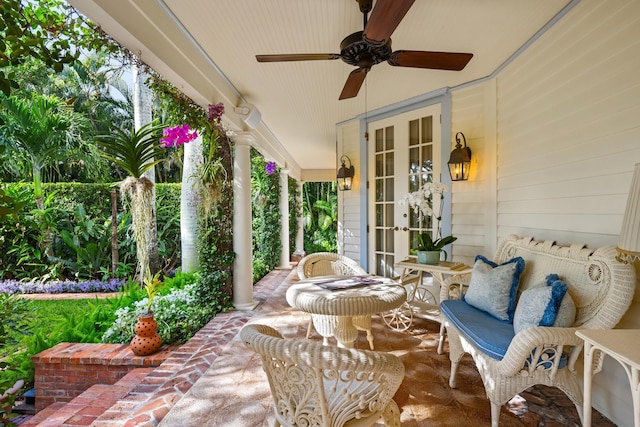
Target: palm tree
(142,116)
(97,89)
(39,132)
(136,152)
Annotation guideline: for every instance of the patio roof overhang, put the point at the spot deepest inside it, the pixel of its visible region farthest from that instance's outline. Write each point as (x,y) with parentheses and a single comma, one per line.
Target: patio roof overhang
(207,49)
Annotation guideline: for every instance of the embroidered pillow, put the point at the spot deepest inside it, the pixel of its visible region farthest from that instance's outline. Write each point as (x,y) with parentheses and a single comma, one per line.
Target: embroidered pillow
(546,305)
(493,288)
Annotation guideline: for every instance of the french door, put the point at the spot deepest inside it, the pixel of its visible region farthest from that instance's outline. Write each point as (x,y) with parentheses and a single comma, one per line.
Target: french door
(404,154)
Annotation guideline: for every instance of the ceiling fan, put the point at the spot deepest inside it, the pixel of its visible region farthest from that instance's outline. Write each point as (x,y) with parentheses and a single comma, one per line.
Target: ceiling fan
(366,48)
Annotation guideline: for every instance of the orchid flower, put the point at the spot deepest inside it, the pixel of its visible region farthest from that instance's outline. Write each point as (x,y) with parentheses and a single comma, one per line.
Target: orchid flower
(177,135)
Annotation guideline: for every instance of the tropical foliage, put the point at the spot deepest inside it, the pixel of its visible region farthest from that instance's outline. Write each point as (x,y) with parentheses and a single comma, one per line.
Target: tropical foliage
(39,132)
(81,240)
(320,210)
(265,193)
(136,152)
(49,30)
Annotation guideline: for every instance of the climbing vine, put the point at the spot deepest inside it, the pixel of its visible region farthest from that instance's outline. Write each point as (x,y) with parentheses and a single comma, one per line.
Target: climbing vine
(265,192)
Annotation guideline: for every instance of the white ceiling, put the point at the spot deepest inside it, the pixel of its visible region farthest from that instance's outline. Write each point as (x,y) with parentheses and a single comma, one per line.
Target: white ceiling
(208,48)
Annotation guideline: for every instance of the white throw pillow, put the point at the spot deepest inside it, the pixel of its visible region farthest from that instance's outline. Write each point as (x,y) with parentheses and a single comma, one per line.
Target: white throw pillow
(493,288)
(546,305)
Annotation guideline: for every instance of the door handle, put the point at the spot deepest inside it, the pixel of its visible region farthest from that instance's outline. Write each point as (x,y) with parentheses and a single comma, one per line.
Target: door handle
(405,229)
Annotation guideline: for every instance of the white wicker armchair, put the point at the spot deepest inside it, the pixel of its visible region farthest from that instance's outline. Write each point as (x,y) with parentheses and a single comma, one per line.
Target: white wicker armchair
(326,386)
(331,264)
(602,289)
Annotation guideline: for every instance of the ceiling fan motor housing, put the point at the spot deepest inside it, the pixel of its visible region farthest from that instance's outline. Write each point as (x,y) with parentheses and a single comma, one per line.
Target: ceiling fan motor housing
(354,50)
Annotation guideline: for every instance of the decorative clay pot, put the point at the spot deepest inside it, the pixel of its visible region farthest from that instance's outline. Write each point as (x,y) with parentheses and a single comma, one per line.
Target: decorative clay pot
(428,257)
(147,340)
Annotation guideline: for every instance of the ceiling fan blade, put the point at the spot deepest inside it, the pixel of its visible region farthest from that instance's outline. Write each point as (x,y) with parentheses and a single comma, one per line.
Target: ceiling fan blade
(297,57)
(353,83)
(385,18)
(434,60)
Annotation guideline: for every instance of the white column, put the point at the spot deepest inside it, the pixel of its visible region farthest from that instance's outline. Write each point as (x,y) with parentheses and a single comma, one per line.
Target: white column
(242,266)
(284,220)
(300,235)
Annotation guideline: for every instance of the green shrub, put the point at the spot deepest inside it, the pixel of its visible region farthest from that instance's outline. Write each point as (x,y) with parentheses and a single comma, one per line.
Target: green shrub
(185,304)
(266,227)
(71,237)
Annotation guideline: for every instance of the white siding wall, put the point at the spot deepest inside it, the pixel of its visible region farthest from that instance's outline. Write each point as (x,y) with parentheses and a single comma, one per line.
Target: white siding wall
(349,227)
(565,137)
(474,202)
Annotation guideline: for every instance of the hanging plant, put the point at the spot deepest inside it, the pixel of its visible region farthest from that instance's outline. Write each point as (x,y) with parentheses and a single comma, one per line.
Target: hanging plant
(135,152)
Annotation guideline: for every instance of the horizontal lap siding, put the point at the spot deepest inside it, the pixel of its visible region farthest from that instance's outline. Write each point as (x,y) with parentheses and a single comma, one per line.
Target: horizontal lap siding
(349,226)
(568,127)
(568,135)
(472,202)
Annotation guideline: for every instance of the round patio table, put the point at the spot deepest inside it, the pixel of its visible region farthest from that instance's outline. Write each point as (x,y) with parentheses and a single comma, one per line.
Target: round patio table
(307,295)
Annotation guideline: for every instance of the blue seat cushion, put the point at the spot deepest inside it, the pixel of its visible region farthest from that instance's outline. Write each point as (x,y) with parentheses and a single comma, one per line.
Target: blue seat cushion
(488,334)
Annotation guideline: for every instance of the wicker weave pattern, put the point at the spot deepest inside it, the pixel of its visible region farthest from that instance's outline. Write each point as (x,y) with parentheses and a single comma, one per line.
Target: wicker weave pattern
(326,386)
(331,264)
(602,289)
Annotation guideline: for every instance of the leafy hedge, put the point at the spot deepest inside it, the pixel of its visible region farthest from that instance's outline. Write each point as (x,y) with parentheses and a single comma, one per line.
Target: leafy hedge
(265,191)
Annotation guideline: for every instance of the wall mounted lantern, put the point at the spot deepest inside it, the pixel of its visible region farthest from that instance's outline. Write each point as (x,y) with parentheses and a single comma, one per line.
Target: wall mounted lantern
(460,160)
(345,174)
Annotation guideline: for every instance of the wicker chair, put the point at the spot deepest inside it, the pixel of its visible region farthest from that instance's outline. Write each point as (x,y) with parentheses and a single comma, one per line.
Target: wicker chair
(326,386)
(602,289)
(331,264)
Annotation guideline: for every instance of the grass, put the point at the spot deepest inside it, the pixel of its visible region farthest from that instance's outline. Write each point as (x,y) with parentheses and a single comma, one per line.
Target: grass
(54,321)
(56,308)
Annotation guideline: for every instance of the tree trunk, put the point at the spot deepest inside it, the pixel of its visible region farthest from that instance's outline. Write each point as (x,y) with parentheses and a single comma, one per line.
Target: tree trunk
(114,232)
(189,203)
(142,102)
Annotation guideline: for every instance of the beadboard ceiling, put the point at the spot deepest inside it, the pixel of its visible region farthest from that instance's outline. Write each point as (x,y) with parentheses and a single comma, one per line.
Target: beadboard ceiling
(208,48)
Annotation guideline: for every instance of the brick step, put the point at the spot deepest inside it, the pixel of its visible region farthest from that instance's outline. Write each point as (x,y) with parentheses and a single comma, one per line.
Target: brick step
(67,369)
(84,409)
(46,414)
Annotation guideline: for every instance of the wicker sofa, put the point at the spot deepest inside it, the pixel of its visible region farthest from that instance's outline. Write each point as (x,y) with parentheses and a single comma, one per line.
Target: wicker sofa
(601,289)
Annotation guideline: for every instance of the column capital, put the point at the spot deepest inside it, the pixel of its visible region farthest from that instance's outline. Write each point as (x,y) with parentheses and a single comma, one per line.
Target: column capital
(243,138)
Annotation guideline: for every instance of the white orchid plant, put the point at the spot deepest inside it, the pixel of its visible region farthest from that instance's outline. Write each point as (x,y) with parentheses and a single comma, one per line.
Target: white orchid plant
(422,199)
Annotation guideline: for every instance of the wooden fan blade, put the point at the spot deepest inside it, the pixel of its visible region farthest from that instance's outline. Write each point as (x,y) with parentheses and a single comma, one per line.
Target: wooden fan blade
(434,60)
(353,83)
(297,57)
(384,20)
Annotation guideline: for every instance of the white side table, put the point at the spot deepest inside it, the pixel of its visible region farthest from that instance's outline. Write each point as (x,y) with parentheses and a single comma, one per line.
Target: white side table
(621,344)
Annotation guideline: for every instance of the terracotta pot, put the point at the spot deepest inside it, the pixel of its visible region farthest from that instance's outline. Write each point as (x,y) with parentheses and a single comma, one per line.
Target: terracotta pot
(147,340)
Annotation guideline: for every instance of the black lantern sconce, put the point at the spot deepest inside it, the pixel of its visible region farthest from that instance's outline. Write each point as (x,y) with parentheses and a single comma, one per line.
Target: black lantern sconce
(345,174)
(460,160)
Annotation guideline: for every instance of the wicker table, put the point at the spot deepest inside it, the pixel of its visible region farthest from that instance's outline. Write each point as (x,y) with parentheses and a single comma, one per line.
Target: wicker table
(345,304)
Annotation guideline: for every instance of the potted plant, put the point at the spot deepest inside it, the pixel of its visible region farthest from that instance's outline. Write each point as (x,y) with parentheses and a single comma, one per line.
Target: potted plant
(427,201)
(428,250)
(147,340)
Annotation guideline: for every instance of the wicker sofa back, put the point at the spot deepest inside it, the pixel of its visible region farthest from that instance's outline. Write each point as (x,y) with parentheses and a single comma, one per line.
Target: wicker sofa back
(601,287)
